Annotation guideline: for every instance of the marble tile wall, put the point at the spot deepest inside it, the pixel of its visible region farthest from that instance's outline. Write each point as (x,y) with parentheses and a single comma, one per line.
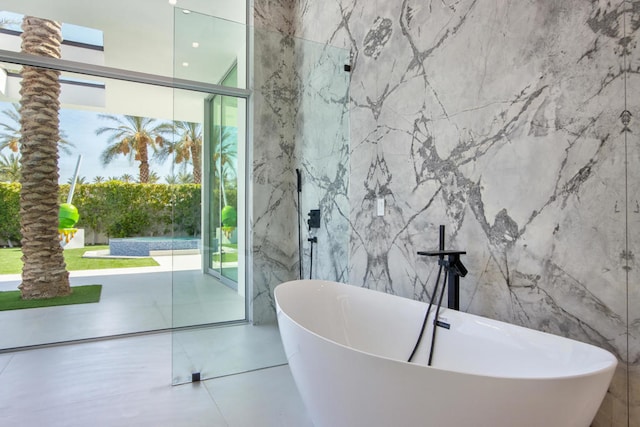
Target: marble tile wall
(273,218)
(631,135)
(322,135)
(301,110)
(504,122)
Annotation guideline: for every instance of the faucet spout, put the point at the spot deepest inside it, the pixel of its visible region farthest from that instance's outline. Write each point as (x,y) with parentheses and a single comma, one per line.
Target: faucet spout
(454,268)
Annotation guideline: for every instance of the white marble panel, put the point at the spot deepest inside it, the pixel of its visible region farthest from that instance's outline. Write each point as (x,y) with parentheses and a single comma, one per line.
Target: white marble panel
(273,179)
(322,136)
(274,15)
(503,121)
(500,120)
(301,121)
(631,134)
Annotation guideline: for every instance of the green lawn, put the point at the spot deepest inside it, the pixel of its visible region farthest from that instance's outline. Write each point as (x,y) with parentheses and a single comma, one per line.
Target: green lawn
(226,257)
(10,262)
(11,300)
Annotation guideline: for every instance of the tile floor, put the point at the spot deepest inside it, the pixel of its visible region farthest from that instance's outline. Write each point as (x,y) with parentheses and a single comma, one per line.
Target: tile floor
(221,351)
(126,382)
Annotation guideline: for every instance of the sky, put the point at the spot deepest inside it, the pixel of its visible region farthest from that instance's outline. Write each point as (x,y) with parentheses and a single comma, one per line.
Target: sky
(79,127)
(11,21)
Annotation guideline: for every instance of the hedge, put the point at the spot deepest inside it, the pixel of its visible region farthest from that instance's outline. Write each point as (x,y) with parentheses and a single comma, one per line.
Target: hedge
(120,209)
(9,212)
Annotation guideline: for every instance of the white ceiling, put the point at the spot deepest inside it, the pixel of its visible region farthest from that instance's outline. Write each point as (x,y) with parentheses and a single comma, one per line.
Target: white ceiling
(139,36)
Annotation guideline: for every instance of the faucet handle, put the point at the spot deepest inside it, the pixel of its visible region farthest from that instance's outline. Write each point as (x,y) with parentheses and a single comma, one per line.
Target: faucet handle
(452,263)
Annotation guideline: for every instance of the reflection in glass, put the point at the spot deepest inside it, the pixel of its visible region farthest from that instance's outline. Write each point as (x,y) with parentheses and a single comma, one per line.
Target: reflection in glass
(112,204)
(210,50)
(223,180)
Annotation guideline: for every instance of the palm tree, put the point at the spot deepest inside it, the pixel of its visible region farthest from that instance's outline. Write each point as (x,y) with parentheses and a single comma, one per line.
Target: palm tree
(171,179)
(131,136)
(10,128)
(126,178)
(44,273)
(185,178)
(10,169)
(81,180)
(10,131)
(223,157)
(188,148)
(154,177)
(98,179)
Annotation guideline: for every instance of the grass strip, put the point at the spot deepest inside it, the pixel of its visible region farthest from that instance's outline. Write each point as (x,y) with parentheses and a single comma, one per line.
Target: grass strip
(10,262)
(226,257)
(11,300)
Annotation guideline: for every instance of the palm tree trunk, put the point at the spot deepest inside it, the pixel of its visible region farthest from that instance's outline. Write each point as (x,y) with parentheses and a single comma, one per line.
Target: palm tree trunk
(224,193)
(195,158)
(143,157)
(44,274)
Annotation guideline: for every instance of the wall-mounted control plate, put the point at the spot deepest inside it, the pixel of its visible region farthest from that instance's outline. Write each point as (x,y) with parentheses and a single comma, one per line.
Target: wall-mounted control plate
(380,207)
(314,218)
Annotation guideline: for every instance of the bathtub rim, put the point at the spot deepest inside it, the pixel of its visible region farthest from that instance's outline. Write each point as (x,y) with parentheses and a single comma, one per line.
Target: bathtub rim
(610,367)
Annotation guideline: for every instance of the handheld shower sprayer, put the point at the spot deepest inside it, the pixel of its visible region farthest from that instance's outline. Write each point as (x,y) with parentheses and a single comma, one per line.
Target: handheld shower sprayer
(299,190)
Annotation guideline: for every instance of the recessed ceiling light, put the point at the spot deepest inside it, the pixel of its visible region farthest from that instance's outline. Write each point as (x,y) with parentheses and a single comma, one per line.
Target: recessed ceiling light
(173,2)
(195,44)
(185,64)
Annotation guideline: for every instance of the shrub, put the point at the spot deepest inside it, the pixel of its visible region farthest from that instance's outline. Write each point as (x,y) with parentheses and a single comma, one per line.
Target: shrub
(121,209)
(186,209)
(10,213)
(117,209)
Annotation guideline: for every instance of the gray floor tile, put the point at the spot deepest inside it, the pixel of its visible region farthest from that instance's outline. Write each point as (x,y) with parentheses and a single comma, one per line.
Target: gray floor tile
(226,350)
(65,375)
(4,361)
(178,406)
(126,382)
(266,397)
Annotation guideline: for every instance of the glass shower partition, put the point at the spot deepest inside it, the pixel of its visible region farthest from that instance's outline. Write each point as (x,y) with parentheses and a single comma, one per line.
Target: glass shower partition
(208,302)
(214,332)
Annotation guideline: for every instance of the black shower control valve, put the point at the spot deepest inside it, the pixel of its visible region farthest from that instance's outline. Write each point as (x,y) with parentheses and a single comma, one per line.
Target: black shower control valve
(314,218)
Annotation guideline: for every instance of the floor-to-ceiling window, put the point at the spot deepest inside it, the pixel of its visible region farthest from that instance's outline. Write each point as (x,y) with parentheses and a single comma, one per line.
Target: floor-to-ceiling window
(154,70)
(225,139)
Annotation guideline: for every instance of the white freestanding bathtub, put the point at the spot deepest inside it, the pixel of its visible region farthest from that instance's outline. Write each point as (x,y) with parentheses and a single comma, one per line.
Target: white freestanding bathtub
(348,347)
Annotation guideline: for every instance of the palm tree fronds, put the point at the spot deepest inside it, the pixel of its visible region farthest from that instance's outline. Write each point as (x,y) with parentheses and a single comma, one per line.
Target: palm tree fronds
(10,131)
(10,168)
(132,136)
